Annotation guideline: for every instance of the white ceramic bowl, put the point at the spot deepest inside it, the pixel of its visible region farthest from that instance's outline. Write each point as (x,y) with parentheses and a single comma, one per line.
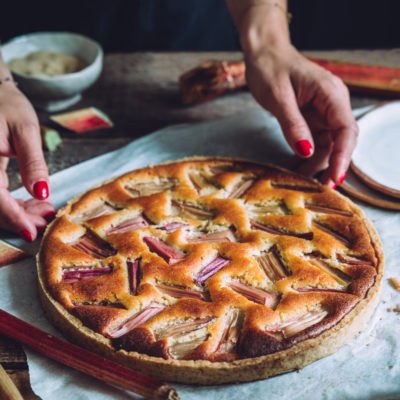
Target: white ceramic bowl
(57,92)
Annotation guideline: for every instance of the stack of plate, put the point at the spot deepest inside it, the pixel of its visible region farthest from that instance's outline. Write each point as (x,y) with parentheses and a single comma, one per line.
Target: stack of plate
(374,175)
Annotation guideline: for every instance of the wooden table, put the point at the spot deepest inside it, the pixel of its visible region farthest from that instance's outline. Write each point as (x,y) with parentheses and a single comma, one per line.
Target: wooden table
(140,93)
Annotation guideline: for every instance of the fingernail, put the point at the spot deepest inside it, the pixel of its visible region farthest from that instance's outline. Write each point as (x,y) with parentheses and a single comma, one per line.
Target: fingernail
(49,216)
(304,148)
(342,178)
(26,235)
(41,190)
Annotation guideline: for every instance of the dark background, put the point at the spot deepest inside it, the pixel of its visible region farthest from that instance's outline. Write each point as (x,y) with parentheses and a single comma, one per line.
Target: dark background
(137,25)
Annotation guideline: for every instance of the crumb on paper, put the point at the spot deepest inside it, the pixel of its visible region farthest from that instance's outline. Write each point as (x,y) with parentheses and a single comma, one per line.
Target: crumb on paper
(395,283)
(10,254)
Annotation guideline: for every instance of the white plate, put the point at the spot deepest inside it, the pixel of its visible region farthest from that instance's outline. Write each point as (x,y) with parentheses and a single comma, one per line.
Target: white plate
(377,156)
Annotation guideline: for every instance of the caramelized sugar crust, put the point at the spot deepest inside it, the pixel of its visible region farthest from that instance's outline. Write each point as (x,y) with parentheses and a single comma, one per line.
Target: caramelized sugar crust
(209,259)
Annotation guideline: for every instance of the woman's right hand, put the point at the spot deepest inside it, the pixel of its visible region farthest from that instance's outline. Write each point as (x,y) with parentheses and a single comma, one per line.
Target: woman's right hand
(20,137)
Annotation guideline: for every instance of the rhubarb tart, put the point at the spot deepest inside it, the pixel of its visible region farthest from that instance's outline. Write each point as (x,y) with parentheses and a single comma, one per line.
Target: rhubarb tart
(210,270)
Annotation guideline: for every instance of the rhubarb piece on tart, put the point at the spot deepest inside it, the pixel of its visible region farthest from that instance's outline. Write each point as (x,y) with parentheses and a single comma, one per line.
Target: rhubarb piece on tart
(210,270)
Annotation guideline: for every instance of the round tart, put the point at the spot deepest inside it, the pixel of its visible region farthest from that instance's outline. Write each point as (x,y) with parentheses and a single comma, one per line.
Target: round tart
(210,270)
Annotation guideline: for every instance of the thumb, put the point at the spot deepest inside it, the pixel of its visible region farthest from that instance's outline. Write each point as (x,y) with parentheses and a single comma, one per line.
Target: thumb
(33,169)
(293,124)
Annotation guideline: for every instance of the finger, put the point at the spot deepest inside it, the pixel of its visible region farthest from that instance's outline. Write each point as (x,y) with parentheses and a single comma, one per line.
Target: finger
(42,208)
(14,218)
(34,173)
(293,124)
(3,172)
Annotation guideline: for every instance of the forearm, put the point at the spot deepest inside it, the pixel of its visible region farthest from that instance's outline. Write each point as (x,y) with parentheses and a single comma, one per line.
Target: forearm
(260,22)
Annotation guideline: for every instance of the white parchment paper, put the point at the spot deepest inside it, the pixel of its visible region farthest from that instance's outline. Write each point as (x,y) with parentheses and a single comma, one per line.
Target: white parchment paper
(366,368)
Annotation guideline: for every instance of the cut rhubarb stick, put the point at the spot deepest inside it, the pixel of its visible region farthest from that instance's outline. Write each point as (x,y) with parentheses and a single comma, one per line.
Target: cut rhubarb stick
(191,211)
(83,120)
(313,289)
(327,210)
(101,303)
(256,295)
(230,334)
(210,269)
(179,350)
(214,237)
(274,231)
(222,168)
(338,275)
(297,188)
(129,225)
(136,320)
(172,226)
(294,326)
(76,274)
(338,236)
(240,188)
(351,260)
(183,328)
(10,254)
(365,78)
(50,138)
(200,183)
(133,275)
(264,209)
(101,209)
(211,79)
(167,252)
(149,188)
(272,265)
(94,246)
(179,292)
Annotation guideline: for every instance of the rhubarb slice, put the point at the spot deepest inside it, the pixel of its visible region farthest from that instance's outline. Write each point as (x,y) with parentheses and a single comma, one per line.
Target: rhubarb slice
(149,188)
(338,275)
(271,263)
(94,246)
(10,254)
(294,326)
(211,79)
(136,320)
(179,350)
(327,210)
(313,289)
(351,260)
(75,274)
(172,226)
(338,236)
(231,332)
(256,295)
(297,188)
(133,275)
(214,237)
(180,292)
(167,252)
(192,211)
(184,328)
(222,168)
(240,188)
(129,225)
(101,303)
(100,210)
(83,120)
(275,231)
(210,269)
(200,183)
(264,209)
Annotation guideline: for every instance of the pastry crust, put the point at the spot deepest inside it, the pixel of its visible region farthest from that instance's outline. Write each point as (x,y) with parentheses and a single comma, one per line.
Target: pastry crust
(263,272)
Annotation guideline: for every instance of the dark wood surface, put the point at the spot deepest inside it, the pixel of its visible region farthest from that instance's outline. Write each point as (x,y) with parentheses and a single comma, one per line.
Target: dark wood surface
(139,91)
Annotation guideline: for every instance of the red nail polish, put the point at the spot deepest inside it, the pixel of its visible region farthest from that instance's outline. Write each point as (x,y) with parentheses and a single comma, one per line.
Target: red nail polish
(41,190)
(26,235)
(304,148)
(342,178)
(49,216)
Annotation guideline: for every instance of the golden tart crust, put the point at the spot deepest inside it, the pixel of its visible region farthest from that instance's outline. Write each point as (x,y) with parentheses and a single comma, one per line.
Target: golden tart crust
(210,270)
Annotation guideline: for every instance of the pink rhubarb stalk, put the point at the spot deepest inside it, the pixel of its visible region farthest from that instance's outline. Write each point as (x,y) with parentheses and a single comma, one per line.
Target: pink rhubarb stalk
(210,269)
(94,246)
(167,252)
(297,188)
(76,274)
(350,260)
(184,328)
(272,265)
(100,210)
(338,236)
(133,275)
(214,237)
(131,224)
(191,211)
(230,334)
(179,293)
(172,226)
(256,295)
(275,231)
(136,320)
(149,188)
(240,188)
(327,210)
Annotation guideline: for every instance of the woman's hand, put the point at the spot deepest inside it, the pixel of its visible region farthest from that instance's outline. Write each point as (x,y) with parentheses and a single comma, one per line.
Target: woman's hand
(311,105)
(20,137)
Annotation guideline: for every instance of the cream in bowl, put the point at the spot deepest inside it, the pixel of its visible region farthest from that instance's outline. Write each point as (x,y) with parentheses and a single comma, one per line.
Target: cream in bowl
(53,68)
